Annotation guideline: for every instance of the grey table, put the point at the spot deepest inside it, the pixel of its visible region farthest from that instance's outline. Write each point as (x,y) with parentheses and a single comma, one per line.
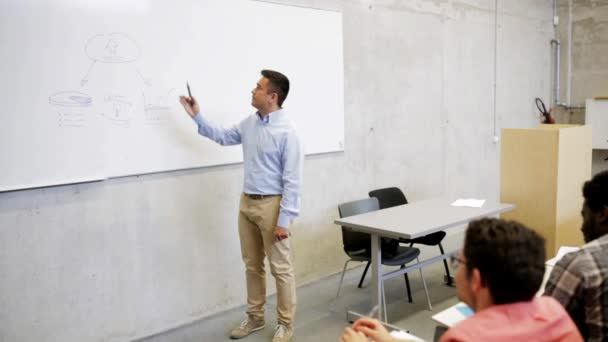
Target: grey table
(410,221)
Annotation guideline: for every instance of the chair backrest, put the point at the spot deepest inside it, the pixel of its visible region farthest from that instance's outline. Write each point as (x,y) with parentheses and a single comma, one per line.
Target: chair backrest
(358,207)
(356,241)
(388,197)
(391,197)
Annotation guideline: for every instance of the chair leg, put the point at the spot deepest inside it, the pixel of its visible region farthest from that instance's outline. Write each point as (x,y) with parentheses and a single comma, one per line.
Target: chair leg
(428,299)
(364,273)
(342,278)
(447,269)
(407,285)
(384,304)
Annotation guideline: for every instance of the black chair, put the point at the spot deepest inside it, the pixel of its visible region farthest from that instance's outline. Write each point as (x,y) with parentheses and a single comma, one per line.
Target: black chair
(390,197)
(357,245)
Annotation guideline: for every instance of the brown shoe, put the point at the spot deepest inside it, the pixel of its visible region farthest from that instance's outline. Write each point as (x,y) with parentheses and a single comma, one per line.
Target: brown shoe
(282,333)
(247,327)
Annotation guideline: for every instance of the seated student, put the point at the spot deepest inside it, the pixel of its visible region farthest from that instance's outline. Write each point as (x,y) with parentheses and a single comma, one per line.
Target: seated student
(498,273)
(579,281)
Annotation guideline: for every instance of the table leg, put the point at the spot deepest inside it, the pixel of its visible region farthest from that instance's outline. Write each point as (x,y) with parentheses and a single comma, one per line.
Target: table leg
(376,287)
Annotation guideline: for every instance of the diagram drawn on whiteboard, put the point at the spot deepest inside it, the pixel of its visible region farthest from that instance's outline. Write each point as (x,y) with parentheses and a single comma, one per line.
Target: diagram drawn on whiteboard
(70,99)
(70,105)
(157,108)
(110,48)
(118,109)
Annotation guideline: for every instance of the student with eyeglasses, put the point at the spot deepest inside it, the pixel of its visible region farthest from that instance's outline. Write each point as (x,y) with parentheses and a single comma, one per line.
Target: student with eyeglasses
(498,273)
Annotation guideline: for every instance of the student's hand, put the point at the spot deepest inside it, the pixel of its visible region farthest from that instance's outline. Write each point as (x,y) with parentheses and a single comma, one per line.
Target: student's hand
(190,105)
(373,329)
(350,335)
(281,233)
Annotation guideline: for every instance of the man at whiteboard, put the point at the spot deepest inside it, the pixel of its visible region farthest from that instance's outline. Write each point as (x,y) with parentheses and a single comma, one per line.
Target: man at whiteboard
(273,160)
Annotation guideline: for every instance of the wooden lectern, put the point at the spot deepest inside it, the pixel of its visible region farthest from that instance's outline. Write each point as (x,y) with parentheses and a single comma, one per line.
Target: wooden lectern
(542,172)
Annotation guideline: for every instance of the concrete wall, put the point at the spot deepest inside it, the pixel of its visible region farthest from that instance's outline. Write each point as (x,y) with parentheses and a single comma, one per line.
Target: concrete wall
(130,257)
(583,29)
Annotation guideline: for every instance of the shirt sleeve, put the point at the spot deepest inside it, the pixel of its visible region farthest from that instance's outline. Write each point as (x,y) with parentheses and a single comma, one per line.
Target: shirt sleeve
(565,282)
(293,160)
(222,136)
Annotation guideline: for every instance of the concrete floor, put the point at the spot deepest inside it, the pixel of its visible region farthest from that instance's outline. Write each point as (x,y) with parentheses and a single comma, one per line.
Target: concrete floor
(321,318)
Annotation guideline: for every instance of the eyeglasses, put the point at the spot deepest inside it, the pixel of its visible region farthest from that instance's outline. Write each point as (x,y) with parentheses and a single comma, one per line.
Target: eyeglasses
(456,261)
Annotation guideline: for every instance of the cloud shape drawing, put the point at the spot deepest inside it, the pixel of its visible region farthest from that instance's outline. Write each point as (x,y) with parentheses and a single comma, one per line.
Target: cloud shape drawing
(112,48)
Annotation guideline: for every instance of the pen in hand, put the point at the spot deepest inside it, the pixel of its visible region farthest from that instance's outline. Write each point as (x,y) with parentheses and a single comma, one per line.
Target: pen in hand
(190,94)
(189,103)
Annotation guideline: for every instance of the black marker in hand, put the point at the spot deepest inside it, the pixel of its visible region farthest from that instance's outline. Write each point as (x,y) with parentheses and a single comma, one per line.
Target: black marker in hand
(190,94)
(189,103)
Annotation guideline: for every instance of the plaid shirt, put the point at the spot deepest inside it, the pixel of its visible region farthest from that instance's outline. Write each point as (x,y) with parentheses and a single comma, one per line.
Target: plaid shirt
(579,281)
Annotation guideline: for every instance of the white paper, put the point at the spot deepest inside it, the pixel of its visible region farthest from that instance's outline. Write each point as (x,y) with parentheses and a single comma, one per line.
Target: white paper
(450,316)
(402,335)
(469,202)
(560,253)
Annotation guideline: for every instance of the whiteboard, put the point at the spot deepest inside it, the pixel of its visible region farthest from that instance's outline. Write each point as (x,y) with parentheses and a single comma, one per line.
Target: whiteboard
(90,88)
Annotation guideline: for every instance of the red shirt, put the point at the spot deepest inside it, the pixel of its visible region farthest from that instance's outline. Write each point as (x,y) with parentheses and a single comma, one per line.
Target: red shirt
(542,319)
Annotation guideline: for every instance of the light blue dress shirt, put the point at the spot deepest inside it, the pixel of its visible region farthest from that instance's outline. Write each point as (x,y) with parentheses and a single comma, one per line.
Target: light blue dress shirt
(272,154)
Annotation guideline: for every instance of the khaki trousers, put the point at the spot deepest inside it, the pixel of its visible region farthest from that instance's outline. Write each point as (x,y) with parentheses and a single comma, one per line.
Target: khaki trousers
(257,220)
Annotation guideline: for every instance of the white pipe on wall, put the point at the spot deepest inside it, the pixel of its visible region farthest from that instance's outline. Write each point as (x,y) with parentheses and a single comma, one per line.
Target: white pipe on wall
(556,73)
(495,130)
(569,79)
(556,101)
(555,17)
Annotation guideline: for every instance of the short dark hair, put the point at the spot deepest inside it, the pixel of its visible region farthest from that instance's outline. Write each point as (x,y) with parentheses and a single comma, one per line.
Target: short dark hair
(510,258)
(595,192)
(279,84)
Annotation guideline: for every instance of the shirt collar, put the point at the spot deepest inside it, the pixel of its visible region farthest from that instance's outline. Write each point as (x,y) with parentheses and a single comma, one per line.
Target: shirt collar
(600,241)
(271,117)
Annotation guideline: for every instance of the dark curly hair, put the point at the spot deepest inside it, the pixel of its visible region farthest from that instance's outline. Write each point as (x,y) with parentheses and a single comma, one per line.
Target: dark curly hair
(595,192)
(509,256)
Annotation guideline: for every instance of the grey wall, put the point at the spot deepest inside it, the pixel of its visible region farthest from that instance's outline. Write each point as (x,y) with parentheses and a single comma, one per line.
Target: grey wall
(586,22)
(130,257)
